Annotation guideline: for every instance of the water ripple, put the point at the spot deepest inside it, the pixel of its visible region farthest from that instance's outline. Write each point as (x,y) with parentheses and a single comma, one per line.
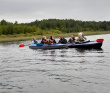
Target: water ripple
(23,70)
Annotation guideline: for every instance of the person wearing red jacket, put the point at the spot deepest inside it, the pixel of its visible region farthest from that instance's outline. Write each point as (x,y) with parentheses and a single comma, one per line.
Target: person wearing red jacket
(44,40)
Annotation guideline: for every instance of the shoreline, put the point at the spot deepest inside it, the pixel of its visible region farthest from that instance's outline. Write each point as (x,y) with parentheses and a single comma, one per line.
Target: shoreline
(12,38)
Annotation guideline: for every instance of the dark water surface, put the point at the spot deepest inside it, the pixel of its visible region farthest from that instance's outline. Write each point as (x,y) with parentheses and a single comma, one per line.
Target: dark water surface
(24,70)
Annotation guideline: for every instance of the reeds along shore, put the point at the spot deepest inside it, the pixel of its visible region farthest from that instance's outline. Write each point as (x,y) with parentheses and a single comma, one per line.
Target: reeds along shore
(12,38)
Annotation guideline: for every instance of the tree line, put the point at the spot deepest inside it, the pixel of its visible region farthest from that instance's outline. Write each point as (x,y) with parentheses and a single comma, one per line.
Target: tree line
(10,28)
(71,25)
(52,26)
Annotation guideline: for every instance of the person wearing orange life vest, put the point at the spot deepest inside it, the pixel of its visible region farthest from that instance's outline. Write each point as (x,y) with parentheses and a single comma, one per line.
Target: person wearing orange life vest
(80,37)
(52,40)
(44,40)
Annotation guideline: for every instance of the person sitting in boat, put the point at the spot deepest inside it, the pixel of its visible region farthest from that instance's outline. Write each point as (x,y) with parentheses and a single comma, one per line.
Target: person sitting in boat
(44,40)
(34,41)
(52,40)
(80,37)
(72,39)
(62,40)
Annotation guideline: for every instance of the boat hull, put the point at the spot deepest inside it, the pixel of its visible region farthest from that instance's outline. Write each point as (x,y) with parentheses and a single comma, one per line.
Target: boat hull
(87,45)
(53,46)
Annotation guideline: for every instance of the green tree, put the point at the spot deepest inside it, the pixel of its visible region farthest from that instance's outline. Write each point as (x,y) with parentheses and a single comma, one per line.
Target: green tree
(0,30)
(3,22)
(16,23)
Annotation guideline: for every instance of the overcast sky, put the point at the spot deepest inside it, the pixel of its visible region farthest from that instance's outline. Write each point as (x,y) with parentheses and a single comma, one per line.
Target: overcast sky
(31,10)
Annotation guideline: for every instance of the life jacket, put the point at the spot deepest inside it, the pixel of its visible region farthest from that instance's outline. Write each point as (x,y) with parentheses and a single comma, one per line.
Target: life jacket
(45,41)
(51,41)
(81,39)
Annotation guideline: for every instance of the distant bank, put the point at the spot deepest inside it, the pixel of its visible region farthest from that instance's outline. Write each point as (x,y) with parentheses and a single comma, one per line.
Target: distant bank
(12,38)
(65,27)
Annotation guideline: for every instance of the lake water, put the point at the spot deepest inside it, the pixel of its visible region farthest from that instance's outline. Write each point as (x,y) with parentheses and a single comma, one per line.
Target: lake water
(24,70)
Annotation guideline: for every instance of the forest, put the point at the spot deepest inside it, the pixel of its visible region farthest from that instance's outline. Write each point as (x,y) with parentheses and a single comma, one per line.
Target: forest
(52,26)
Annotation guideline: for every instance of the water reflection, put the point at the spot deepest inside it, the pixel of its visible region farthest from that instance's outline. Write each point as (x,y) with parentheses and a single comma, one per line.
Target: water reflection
(83,50)
(52,52)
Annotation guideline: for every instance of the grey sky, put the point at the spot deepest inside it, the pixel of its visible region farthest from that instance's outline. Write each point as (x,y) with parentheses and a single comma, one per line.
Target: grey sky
(30,10)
